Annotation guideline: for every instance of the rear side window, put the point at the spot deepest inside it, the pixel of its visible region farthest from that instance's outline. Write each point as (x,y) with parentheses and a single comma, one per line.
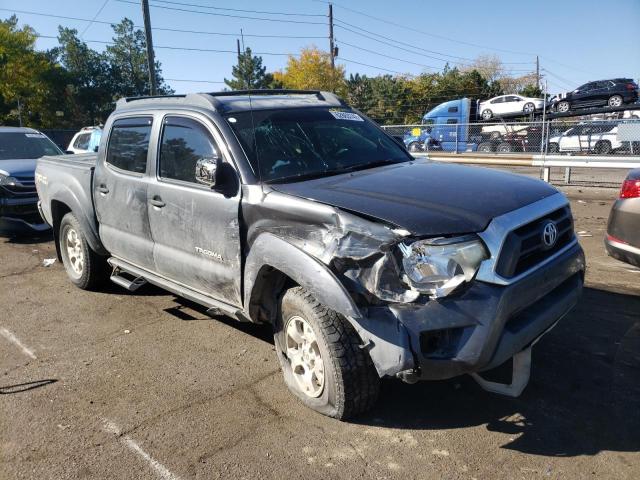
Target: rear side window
(184,142)
(129,144)
(82,142)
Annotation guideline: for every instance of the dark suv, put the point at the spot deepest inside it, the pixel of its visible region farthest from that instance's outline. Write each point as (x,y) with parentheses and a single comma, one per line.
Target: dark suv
(611,93)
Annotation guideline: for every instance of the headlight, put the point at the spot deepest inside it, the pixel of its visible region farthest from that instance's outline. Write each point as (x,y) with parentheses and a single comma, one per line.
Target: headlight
(437,266)
(6,180)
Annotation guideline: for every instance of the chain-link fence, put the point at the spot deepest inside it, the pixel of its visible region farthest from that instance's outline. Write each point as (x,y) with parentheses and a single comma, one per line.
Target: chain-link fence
(601,137)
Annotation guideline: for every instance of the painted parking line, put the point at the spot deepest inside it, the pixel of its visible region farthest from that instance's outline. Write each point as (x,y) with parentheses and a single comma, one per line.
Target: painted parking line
(13,339)
(162,471)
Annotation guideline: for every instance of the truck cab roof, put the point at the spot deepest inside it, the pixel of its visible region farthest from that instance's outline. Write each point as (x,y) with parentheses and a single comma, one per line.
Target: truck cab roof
(237,101)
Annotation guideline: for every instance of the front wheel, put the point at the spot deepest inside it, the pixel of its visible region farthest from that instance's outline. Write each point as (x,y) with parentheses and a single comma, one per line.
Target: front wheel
(487,114)
(554,147)
(485,147)
(603,147)
(529,108)
(85,268)
(414,147)
(322,358)
(563,106)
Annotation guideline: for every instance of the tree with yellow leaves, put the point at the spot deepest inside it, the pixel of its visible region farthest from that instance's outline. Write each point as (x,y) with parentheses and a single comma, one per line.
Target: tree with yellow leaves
(312,71)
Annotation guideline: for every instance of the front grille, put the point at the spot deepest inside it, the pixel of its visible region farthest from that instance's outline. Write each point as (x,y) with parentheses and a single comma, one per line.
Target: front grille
(27,187)
(524,248)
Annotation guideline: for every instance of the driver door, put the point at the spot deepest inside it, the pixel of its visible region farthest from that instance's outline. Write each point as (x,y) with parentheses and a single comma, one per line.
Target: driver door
(195,228)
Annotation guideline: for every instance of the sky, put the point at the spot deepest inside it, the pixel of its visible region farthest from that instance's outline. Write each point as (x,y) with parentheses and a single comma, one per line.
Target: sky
(576,41)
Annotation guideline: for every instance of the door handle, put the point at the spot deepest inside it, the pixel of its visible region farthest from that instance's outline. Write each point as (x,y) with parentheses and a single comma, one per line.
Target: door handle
(103,189)
(157,202)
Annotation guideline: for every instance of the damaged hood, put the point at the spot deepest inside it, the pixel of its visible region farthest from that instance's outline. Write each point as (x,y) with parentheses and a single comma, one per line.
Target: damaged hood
(425,198)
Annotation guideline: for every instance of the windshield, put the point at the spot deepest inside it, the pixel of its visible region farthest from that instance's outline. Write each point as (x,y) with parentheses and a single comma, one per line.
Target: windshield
(23,145)
(292,144)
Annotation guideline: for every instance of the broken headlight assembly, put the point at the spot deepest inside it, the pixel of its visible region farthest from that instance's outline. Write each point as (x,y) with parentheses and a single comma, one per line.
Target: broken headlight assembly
(438,266)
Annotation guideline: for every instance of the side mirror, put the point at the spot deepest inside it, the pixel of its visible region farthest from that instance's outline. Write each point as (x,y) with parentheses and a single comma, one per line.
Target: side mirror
(69,152)
(207,171)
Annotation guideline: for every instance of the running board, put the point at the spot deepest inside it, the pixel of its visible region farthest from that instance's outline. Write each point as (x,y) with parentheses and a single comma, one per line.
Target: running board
(519,377)
(215,307)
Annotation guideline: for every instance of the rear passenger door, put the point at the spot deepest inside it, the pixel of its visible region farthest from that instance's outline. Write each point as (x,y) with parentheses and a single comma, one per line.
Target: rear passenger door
(120,192)
(194,227)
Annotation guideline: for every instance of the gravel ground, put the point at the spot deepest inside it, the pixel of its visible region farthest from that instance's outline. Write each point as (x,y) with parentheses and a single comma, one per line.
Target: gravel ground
(145,385)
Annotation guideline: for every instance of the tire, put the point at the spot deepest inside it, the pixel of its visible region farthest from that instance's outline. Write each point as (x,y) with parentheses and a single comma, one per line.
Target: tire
(603,147)
(350,383)
(495,136)
(528,108)
(563,107)
(487,114)
(85,268)
(505,147)
(615,101)
(414,147)
(486,147)
(554,148)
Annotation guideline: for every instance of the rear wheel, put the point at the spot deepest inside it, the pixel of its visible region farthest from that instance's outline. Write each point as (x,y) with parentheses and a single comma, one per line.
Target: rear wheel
(85,268)
(487,114)
(554,147)
(603,147)
(615,101)
(505,147)
(529,108)
(563,106)
(322,358)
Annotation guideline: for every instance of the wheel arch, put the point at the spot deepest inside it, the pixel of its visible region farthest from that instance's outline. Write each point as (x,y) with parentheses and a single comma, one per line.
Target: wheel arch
(63,202)
(273,265)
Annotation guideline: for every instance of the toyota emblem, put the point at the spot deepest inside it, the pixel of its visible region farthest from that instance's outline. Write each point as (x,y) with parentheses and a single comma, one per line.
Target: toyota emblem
(549,234)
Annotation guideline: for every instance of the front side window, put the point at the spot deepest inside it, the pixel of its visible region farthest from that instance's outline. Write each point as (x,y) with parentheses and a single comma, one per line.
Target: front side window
(184,142)
(129,144)
(296,143)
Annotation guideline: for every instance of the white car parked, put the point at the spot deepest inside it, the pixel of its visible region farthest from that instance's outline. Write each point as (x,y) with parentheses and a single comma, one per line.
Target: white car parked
(589,137)
(86,140)
(509,105)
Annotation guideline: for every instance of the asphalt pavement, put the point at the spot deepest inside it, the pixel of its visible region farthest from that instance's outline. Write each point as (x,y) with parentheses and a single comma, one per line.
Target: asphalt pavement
(144,385)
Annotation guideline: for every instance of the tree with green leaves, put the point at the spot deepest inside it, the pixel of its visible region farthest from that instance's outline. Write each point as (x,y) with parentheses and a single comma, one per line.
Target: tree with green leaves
(250,74)
(31,85)
(127,58)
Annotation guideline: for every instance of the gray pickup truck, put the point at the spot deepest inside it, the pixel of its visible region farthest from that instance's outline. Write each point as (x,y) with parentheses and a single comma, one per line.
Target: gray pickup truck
(293,209)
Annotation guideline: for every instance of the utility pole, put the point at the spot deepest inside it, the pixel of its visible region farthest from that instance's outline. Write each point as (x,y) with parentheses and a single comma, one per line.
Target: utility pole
(331,45)
(150,58)
(239,70)
(537,71)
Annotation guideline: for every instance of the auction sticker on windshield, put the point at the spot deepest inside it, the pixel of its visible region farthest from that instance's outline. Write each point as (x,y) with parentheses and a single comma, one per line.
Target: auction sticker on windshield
(340,115)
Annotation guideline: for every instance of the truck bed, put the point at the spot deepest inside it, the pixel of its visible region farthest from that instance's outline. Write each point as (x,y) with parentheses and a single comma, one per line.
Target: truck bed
(68,179)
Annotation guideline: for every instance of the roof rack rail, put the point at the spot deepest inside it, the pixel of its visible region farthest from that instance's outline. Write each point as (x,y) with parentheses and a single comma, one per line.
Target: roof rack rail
(187,99)
(268,91)
(321,95)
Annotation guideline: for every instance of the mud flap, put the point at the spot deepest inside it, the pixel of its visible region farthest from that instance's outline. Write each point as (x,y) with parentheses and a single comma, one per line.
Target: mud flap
(519,377)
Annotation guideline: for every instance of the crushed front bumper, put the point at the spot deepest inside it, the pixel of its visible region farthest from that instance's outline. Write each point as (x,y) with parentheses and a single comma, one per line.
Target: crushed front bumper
(477,329)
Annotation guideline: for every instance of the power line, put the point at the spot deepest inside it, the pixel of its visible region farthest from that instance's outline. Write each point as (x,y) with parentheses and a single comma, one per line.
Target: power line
(242,11)
(94,18)
(186,10)
(188,49)
(388,56)
(405,27)
(161,29)
(371,66)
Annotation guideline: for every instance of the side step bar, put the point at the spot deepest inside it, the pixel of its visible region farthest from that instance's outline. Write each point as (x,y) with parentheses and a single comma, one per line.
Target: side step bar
(118,278)
(214,307)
